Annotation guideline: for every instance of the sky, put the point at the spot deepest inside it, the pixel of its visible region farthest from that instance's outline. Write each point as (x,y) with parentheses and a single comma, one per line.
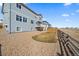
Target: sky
(57,14)
(1,16)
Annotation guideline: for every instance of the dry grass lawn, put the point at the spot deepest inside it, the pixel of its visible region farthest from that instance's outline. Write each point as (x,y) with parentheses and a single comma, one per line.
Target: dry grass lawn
(46,37)
(50,36)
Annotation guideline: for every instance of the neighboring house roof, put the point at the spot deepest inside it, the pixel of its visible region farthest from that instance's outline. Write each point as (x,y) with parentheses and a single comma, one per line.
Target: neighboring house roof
(46,23)
(43,22)
(38,22)
(25,7)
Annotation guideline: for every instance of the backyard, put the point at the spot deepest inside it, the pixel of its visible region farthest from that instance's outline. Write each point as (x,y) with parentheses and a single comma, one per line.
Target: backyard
(36,43)
(23,44)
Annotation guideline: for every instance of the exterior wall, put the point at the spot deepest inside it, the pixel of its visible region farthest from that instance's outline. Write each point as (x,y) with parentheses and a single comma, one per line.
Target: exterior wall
(44,27)
(7,16)
(25,26)
(39,19)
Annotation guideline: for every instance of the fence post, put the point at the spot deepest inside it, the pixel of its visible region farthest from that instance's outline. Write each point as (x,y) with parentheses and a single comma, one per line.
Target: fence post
(0,50)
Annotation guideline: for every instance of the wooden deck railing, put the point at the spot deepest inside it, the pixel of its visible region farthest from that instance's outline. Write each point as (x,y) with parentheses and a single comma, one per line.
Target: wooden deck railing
(68,45)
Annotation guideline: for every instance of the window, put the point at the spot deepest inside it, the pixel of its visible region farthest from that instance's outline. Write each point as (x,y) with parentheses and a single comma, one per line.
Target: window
(6,26)
(24,19)
(31,21)
(18,5)
(18,18)
(18,28)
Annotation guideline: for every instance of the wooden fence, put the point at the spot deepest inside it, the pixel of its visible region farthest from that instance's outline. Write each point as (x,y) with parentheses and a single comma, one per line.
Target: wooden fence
(0,50)
(68,45)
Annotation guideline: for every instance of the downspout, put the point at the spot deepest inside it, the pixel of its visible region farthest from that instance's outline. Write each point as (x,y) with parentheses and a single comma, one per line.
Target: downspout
(2,8)
(10,18)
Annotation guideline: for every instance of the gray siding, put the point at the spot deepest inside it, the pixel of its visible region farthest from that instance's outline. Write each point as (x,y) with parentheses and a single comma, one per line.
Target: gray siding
(25,26)
(7,16)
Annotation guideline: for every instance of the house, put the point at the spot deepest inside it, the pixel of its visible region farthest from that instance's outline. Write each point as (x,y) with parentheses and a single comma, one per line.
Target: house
(43,25)
(19,18)
(1,24)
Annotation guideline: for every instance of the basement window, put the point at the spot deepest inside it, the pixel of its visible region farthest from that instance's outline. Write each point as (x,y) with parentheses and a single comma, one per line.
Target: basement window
(18,28)
(6,26)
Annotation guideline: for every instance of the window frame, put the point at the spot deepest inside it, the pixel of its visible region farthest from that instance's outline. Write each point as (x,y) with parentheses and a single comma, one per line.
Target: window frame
(17,18)
(20,18)
(32,22)
(24,19)
(18,5)
(18,29)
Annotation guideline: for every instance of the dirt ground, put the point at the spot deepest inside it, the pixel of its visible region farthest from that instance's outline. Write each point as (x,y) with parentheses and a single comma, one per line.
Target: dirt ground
(22,44)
